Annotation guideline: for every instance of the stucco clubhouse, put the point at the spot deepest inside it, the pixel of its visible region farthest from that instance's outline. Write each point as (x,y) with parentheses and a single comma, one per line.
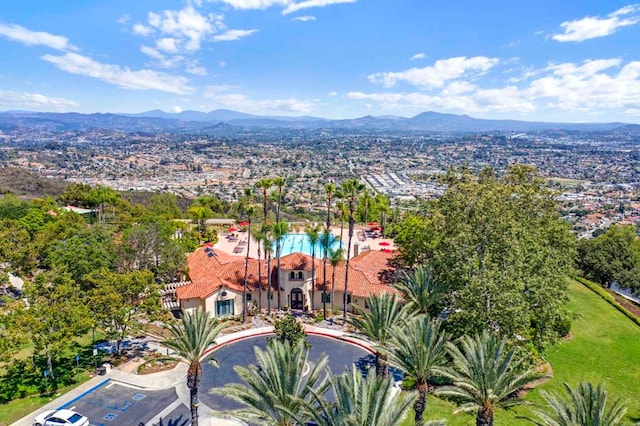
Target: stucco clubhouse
(217,281)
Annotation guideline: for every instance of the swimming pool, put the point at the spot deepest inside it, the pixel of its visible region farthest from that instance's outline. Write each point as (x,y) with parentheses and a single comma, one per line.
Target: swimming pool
(292,243)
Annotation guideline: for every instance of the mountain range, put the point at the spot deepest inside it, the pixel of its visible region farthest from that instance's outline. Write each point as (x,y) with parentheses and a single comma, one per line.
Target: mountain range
(158,120)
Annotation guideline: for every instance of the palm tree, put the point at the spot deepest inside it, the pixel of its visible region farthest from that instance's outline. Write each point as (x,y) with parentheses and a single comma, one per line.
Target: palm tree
(351,189)
(341,207)
(325,243)
(382,205)
(484,376)
(268,239)
(585,406)
(385,314)
(421,290)
(418,349)
(276,388)
(280,183)
(279,229)
(190,341)
(335,258)
(367,202)
(249,211)
(260,237)
(313,236)
(265,184)
(330,189)
(360,401)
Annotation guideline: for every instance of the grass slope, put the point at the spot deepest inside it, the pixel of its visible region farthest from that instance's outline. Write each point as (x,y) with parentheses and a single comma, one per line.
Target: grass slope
(604,349)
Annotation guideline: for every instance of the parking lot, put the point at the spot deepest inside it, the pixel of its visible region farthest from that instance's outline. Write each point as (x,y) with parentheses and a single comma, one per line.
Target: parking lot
(116,404)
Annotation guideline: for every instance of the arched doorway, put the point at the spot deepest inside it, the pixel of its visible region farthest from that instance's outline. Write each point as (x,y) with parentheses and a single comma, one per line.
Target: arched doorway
(297,301)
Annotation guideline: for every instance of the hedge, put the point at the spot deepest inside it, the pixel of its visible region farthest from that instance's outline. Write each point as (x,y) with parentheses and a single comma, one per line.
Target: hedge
(597,288)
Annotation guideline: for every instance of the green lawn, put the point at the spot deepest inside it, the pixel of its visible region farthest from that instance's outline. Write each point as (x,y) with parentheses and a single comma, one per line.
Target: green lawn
(604,350)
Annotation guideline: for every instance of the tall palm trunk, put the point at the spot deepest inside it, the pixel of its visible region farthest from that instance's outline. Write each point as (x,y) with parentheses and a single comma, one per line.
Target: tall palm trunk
(324,286)
(246,275)
(421,402)
(313,277)
(194,377)
(279,202)
(352,223)
(485,416)
(278,273)
(333,287)
(269,283)
(259,278)
(382,366)
(328,211)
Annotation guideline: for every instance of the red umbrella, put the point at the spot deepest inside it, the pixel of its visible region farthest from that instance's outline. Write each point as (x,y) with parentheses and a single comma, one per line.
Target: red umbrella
(373,223)
(385,244)
(244,224)
(386,250)
(232,229)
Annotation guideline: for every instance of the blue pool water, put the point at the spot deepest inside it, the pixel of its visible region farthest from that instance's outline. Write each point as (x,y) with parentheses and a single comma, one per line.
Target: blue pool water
(292,243)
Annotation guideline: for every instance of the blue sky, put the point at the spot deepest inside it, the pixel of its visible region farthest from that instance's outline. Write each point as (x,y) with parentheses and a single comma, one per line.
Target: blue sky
(561,60)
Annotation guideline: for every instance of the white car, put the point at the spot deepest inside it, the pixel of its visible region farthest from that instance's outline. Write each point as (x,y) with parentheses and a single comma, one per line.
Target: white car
(60,418)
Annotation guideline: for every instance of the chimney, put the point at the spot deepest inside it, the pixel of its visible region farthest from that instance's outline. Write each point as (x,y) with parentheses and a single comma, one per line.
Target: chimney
(356,249)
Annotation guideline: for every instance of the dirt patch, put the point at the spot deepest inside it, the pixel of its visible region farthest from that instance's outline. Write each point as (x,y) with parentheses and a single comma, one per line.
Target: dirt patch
(546,370)
(157,365)
(628,305)
(569,337)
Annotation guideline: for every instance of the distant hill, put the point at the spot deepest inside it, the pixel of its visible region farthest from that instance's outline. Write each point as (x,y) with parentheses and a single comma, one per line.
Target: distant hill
(28,185)
(158,120)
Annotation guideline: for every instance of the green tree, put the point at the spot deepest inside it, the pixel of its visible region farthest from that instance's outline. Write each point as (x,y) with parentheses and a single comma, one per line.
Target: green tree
(385,314)
(265,184)
(422,292)
(56,314)
(200,214)
(288,329)
(418,349)
(613,257)
(164,205)
(249,211)
(350,191)
(485,376)
(116,301)
(279,182)
(336,257)
(414,239)
(196,333)
(312,232)
(360,401)
(16,248)
(12,207)
(502,250)
(276,387)
(585,405)
(330,190)
(325,243)
(279,230)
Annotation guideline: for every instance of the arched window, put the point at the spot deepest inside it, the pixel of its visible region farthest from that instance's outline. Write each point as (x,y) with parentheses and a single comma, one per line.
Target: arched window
(292,275)
(300,275)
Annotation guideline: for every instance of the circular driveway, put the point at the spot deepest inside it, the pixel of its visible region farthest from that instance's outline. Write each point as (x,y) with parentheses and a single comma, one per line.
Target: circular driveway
(342,356)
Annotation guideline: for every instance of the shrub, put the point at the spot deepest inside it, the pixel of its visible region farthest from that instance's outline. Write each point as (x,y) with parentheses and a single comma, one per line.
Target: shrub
(597,288)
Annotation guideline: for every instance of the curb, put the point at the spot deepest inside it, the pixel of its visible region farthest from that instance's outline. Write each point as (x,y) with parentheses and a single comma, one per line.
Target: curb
(85,393)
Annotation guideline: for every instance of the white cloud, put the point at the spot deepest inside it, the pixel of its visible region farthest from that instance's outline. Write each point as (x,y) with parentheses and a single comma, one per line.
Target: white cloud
(306,4)
(304,18)
(35,38)
(437,75)
(195,68)
(123,19)
(167,44)
(176,109)
(593,26)
(290,6)
(418,56)
(232,35)
(333,93)
(187,26)
(223,64)
(143,30)
(590,87)
(222,96)
(162,60)
(33,101)
(123,77)
(255,4)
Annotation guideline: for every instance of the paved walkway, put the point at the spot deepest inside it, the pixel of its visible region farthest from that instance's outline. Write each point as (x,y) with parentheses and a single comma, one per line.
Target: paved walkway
(176,377)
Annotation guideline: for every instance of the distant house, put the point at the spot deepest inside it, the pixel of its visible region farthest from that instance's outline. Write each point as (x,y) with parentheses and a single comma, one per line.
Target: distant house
(217,281)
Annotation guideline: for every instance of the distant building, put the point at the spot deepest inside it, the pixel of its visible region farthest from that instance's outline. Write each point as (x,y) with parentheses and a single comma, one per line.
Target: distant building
(217,281)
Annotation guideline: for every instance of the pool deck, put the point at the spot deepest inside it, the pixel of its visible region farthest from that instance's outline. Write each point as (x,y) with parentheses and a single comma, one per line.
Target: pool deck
(239,246)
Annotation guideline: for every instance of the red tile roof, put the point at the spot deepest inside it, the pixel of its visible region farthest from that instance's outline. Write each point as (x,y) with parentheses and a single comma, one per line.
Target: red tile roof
(369,272)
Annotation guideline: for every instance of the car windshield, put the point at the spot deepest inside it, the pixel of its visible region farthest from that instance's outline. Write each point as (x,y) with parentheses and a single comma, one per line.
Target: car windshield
(75,418)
